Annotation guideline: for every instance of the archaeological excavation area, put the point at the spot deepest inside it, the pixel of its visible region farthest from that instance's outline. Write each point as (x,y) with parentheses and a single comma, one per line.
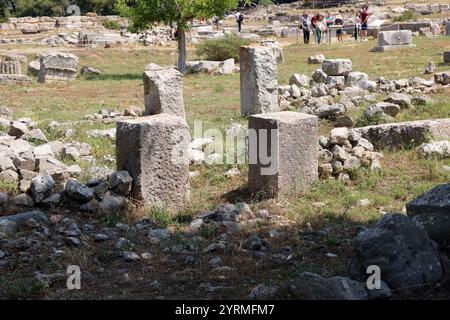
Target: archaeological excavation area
(270,169)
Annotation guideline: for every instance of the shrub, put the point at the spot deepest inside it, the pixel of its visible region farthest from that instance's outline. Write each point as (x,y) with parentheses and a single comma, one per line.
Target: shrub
(111,24)
(222,49)
(406,16)
(160,217)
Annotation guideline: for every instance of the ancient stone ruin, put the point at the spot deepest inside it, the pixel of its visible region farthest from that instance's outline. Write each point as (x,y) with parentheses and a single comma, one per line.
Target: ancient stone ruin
(11,73)
(155,151)
(283,154)
(393,40)
(163,91)
(57,67)
(258,80)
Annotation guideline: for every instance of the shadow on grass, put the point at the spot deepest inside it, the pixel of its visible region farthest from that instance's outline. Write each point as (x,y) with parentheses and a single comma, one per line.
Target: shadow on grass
(239,195)
(115,77)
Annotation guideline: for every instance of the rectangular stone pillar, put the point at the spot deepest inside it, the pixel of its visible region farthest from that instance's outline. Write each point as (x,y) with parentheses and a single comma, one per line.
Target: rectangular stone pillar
(258,80)
(155,151)
(58,66)
(290,139)
(163,91)
(10,67)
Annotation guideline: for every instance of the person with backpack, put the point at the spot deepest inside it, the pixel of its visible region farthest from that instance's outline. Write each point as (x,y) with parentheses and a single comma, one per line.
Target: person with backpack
(306,27)
(239,20)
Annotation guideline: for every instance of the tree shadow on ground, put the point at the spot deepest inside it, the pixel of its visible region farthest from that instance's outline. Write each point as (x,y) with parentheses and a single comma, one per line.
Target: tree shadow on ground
(115,77)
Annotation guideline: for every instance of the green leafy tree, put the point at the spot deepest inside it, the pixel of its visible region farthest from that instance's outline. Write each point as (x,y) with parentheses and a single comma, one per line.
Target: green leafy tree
(179,13)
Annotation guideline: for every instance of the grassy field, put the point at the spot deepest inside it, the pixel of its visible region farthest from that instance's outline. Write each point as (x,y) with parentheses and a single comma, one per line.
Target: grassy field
(332,207)
(214,100)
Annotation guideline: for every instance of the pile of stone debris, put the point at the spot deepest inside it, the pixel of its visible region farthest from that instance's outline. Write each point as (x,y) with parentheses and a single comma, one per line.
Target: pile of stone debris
(26,153)
(335,89)
(344,152)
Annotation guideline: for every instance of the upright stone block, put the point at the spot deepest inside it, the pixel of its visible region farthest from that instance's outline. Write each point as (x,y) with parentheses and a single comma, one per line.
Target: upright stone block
(10,67)
(258,80)
(58,66)
(289,140)
(392,40)
(155,151)
(163,91)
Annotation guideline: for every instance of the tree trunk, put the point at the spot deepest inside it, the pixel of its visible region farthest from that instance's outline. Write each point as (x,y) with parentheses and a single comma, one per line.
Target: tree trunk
(181,50)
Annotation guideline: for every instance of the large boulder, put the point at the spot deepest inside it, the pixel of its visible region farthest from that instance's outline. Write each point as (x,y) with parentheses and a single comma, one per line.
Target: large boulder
(401,249)
(311,286)
(431,210)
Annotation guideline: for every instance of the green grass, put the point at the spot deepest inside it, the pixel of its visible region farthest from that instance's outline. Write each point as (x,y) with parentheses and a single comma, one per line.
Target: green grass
(406,16)
(214,100)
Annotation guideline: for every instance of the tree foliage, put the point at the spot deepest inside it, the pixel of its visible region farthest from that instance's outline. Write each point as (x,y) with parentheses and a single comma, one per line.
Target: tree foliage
(34,8)
(145,13)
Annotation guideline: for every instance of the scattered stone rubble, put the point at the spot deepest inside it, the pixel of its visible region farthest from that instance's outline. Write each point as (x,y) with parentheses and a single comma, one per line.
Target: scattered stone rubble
(345,151)
(21,161)
(335,89)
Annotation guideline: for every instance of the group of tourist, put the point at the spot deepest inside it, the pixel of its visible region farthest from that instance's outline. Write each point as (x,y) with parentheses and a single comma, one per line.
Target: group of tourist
(321,25)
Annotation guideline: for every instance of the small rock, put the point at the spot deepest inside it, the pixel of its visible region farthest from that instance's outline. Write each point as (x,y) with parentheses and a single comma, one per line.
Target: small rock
(130,256)
(120,182)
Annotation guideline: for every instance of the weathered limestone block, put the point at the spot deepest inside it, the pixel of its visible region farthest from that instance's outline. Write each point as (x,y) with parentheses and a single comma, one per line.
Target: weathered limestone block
(276,47)
(289,142)
(163,91)
(406,134)
(11,79)
(10,67)
(155,151)
(337,67)
(258,80)
(392,40)
(58,67)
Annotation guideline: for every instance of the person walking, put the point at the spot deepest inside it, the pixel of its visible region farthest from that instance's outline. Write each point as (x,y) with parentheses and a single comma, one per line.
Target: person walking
(306,27)
(239,20)
(364,19)
(357,23)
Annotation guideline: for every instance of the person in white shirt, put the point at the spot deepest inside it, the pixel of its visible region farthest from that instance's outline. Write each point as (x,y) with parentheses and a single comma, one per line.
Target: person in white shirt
(239,20)
(357,23)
